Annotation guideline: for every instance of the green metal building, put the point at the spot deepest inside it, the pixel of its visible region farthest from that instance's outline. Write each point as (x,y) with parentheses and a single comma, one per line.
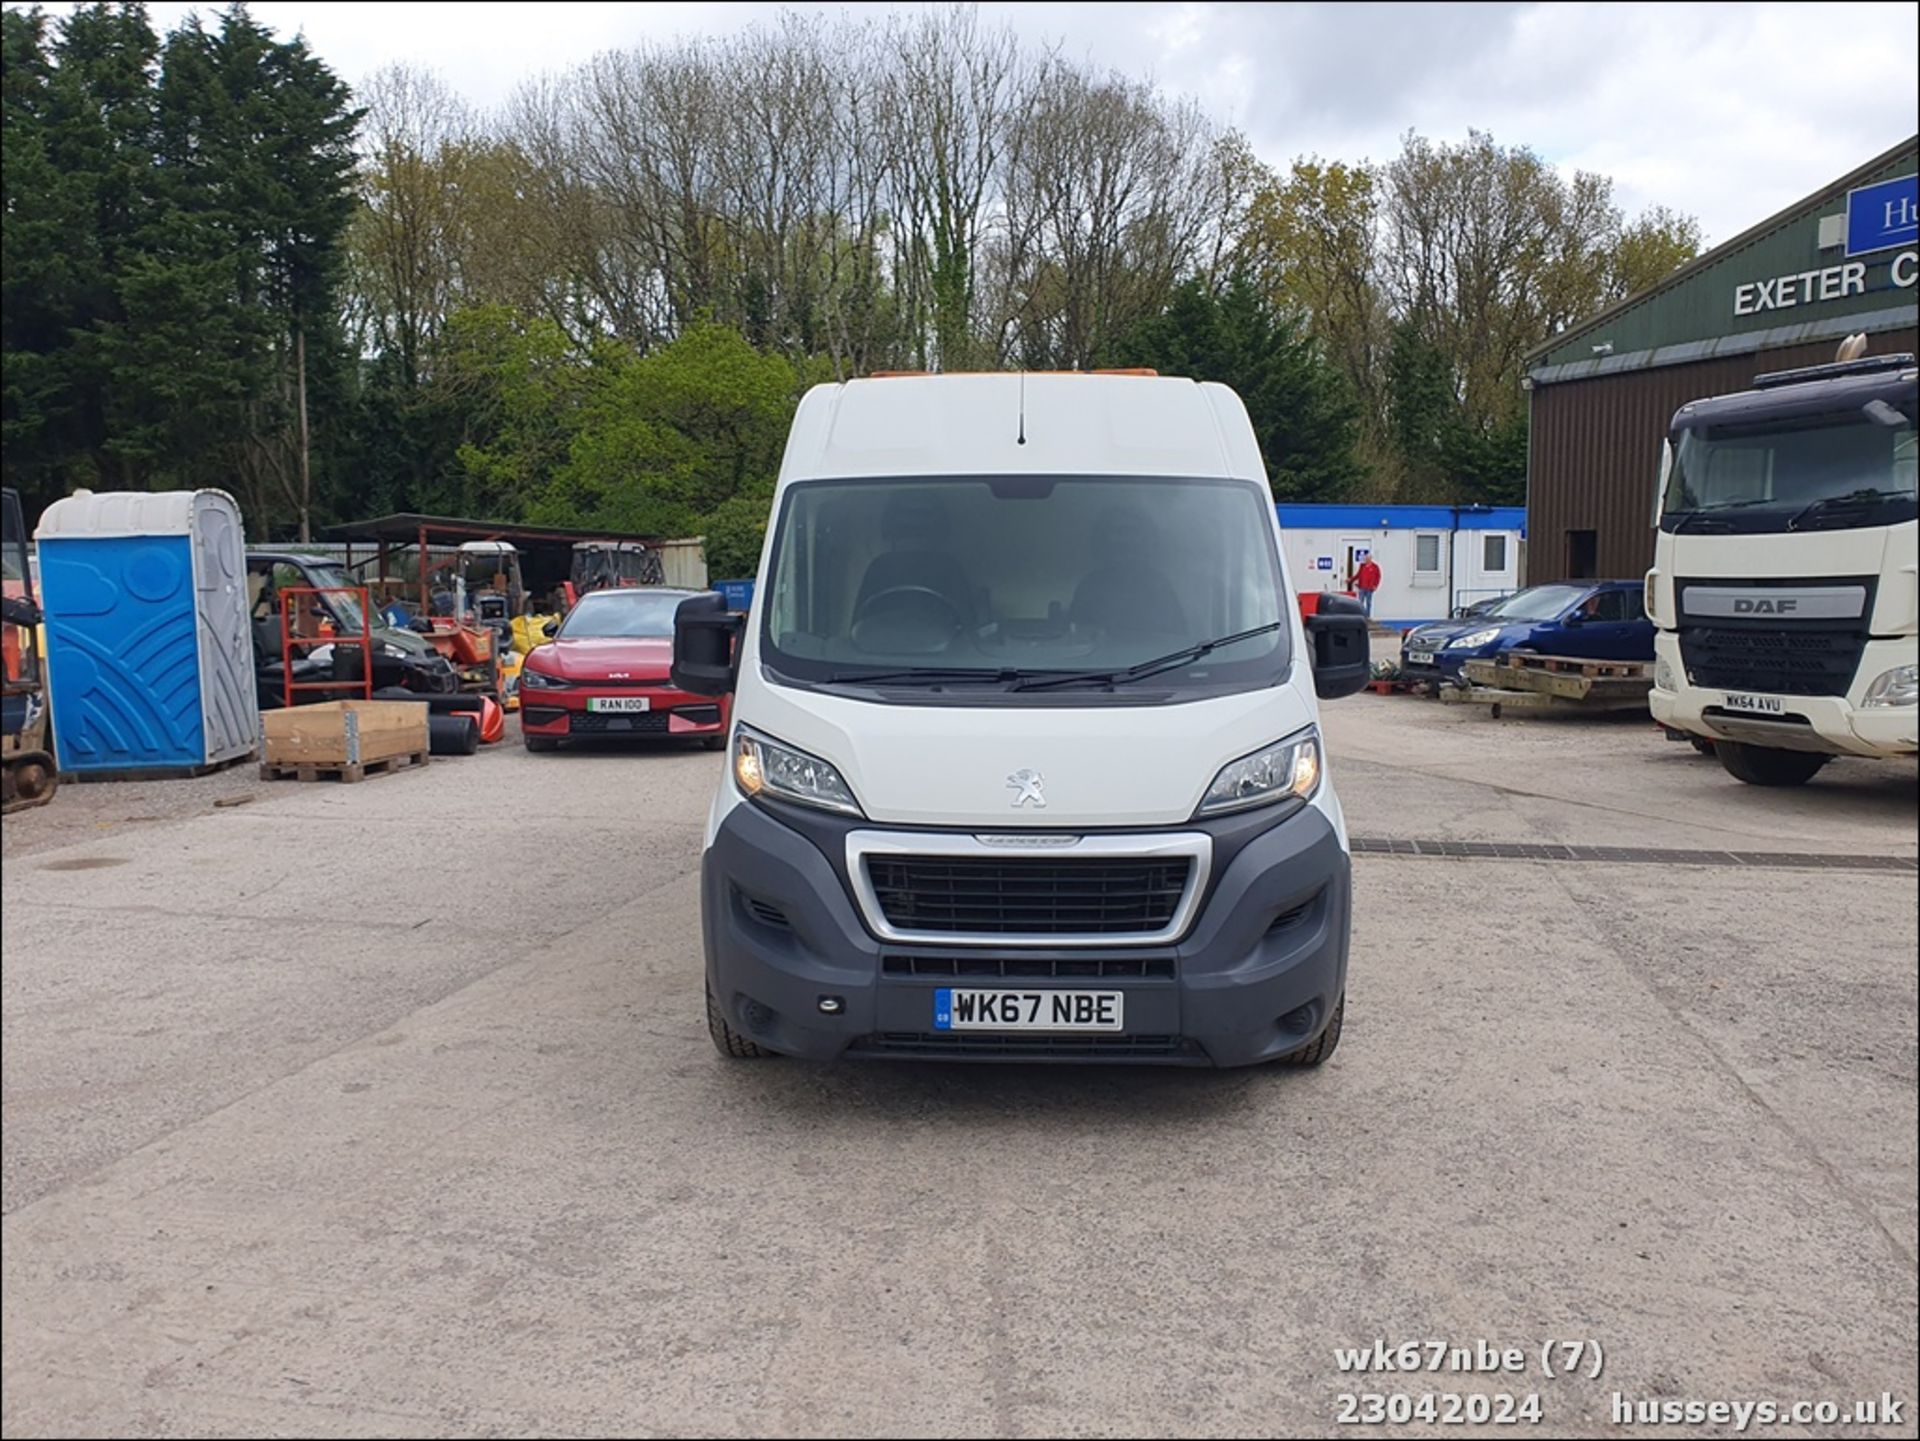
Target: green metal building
(1783,294)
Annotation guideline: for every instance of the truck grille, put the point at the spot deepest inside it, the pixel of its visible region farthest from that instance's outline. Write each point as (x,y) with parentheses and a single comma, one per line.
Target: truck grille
(1793,659)
(1027,895)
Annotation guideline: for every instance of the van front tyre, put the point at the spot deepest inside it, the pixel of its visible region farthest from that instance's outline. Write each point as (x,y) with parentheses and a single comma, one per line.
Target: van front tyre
(1316,1051)
(1766,766)
(727,1041)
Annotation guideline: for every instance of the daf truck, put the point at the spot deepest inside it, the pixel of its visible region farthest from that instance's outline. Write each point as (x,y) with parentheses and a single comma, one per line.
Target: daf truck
(1784,585)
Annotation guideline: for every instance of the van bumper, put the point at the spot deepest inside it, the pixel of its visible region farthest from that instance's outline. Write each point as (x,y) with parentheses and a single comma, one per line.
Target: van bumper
(1257,975)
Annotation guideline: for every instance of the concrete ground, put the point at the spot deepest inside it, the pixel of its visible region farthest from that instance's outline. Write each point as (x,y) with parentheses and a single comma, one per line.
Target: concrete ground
(389,1108)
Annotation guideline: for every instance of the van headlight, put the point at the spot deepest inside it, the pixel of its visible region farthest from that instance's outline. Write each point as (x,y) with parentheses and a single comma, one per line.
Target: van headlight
(1286,768)
(764,766)
(1899,686)
(1474,638)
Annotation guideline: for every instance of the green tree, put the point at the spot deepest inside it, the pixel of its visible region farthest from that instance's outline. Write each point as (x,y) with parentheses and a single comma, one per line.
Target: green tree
(734,534)
(230,339)
(1649,250)
(77,174)
(1302,410)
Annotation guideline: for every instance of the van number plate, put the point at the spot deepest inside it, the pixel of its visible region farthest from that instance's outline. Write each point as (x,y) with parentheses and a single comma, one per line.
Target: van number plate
(957,1010)
(1756,704)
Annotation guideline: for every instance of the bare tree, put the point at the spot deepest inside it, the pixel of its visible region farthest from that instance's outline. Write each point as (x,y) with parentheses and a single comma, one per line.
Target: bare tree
(1117,188)
(406,249)
(955,90)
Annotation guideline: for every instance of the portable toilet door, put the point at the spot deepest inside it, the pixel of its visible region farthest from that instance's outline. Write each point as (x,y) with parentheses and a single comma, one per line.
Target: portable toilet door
(150,654)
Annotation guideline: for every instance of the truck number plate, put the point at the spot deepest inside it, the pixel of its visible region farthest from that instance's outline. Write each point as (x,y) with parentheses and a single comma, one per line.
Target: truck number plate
(601,704)
(1756,704)
(957,1010)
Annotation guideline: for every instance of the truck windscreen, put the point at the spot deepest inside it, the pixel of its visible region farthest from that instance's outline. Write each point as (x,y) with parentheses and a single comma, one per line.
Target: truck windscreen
(985,582)
(1817,472)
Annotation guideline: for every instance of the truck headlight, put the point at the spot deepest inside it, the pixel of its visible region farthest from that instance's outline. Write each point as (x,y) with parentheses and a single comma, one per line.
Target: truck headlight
(1663,674)
(1286,768)
(1474,638)
(1899,686)
(762,765)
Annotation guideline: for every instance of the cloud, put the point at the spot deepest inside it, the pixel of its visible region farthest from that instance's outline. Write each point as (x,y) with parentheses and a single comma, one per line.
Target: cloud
(1729,112)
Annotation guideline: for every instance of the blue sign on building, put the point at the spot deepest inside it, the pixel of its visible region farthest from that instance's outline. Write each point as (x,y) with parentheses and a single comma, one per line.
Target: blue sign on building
(1882,216)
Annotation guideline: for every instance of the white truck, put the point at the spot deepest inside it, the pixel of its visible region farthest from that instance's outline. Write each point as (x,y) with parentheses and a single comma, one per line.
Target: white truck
(1026,757)
(1784,584)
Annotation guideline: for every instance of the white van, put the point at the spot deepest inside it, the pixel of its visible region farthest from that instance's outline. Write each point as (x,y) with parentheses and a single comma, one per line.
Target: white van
(1026,759)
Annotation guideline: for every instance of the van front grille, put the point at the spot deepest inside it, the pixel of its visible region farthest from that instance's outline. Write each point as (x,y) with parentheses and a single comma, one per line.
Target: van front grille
(1013,1045)
(1027,968)
(1025,895)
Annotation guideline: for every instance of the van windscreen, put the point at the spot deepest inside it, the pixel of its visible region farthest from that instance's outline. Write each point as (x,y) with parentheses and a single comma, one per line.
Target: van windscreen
(985,581)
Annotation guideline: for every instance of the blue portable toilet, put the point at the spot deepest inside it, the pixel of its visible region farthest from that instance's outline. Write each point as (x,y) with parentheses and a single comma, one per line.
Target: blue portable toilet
(149,643)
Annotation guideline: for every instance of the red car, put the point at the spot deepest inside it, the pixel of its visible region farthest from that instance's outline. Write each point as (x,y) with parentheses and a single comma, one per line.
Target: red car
(605,674)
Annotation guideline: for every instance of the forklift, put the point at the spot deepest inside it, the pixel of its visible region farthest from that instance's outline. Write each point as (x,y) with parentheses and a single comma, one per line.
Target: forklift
(26,741)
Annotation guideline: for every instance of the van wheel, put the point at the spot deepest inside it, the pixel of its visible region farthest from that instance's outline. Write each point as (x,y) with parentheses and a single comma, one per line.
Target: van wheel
(1766,766)
(727,1041)
(1321,1046)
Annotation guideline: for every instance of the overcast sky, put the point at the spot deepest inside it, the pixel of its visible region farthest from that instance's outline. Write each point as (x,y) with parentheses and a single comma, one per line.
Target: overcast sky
(1729,111)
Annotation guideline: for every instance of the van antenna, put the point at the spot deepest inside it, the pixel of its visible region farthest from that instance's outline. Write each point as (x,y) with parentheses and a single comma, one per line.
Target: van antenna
(1021,438)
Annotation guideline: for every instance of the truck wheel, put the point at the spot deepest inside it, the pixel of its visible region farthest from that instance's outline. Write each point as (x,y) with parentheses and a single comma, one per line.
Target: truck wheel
(1321,1046)
(1765,766)
(727,1041)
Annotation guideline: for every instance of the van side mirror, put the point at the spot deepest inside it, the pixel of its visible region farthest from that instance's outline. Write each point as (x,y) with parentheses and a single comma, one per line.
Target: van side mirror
(1342,654)
(703,644)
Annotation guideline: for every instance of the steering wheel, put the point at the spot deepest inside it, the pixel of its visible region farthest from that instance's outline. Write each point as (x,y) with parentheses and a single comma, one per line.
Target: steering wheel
(945,602)
(955,622)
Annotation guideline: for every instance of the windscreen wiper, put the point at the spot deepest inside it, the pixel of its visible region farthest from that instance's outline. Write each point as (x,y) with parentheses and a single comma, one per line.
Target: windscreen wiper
(1173,660)
(1834,503)
(1711,516)
(931,675)
(1685,521)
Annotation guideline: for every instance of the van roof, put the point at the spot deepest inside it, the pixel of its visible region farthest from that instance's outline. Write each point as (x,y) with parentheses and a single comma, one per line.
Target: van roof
(1016,423)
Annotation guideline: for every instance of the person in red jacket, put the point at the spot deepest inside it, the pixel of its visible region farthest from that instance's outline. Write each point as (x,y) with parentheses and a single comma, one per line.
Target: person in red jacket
(1366,580)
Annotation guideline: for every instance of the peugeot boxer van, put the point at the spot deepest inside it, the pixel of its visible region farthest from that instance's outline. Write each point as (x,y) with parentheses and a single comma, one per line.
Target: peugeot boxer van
(1026,759)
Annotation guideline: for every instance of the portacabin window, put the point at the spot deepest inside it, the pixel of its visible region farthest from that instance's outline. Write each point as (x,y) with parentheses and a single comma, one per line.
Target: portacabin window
(1493,553)
(1426,555)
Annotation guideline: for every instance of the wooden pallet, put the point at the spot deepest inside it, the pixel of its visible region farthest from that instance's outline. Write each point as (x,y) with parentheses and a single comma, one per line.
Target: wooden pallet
(1499,700)
(314,771)
(1575,665)
(1564,684)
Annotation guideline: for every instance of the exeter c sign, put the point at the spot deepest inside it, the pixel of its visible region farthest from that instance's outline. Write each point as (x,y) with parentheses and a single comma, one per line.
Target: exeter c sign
(1810,287)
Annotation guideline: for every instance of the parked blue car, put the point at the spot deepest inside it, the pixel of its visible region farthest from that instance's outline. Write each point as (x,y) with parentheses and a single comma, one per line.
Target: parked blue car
(1593,620)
